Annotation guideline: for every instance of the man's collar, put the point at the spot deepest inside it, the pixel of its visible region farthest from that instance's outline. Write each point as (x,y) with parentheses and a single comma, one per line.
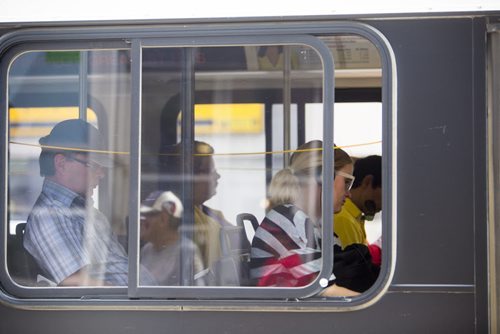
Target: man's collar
(62,194)
(353,210)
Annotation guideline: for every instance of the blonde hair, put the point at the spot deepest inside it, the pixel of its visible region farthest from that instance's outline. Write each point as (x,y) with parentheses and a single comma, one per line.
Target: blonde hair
(305,166)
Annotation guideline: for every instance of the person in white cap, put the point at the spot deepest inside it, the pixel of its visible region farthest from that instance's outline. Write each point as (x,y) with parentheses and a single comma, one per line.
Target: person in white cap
(161,215)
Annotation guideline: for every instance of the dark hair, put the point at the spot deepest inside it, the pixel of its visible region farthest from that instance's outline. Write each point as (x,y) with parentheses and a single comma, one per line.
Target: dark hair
(171,163)
(370,165)
(46,162)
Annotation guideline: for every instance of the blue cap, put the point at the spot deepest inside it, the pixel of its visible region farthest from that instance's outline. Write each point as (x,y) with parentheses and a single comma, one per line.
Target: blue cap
(76,135)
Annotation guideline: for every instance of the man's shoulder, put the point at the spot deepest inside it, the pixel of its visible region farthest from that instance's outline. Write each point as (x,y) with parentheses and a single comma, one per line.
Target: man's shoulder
(344,216)
(349,212)
(48,209)
(46,204)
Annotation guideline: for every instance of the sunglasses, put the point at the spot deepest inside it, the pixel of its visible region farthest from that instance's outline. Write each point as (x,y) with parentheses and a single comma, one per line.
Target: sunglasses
(349,179)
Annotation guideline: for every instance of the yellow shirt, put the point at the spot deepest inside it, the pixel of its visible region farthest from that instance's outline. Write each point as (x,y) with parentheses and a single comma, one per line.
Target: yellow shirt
(349,225)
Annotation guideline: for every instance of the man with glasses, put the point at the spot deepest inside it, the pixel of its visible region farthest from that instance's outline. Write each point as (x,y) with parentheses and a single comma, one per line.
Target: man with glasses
(365,201)
(71,240)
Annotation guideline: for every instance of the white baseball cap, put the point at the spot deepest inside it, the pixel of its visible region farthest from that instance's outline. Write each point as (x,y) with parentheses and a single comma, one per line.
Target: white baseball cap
(162,200)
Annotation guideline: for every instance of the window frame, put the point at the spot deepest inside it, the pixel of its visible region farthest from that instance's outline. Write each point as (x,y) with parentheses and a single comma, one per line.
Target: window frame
(135,38)
(223,292)
(10,55)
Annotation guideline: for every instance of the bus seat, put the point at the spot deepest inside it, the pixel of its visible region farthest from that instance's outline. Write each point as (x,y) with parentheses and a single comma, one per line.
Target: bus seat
(248,217)
(23,268)
(233,269)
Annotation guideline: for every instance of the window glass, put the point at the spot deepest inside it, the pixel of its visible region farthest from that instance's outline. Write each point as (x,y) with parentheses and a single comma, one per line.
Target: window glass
(231,182)
(255,117)
(243,135)
(69,126)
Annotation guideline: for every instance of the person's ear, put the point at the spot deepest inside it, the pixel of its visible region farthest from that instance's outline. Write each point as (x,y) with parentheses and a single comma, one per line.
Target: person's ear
(165,216)
(367,181)
(59,162)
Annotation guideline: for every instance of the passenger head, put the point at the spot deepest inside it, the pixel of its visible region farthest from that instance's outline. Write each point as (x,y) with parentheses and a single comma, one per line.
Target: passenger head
(343,178)
(300,183)
(161,214)
(366,191)
(74,156)
(205,175)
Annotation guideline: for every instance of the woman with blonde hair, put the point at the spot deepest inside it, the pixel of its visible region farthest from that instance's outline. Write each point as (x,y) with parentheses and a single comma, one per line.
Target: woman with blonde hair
(286,249)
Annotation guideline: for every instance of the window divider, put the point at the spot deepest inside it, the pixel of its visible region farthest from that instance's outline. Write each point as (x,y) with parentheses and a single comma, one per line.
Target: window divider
(135,169)
(187,111)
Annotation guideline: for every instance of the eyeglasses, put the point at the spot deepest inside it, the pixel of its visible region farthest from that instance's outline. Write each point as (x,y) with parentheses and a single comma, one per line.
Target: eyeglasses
(89,164)
(349,179)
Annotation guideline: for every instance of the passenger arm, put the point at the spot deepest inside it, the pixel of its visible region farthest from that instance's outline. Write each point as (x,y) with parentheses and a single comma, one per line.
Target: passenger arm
(338,291)
(81,278)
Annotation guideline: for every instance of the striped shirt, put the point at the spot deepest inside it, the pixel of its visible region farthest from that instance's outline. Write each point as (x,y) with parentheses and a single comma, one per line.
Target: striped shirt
(285,249)
(64,235)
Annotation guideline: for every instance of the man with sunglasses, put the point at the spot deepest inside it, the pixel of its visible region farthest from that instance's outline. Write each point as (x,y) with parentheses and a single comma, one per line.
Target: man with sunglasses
(365,201)
(70,239)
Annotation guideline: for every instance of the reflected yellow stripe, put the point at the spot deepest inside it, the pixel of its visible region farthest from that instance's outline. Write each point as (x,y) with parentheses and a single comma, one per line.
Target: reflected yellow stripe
(210,119)
(226,118)
(37,122)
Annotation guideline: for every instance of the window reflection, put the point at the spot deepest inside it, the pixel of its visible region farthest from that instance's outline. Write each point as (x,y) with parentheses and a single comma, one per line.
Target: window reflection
(252,112)
(230,166)
(65,159)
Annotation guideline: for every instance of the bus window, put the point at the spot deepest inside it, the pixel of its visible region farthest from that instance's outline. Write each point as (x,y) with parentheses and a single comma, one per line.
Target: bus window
(46,88)
(197,136)
(231,159)
(223,134)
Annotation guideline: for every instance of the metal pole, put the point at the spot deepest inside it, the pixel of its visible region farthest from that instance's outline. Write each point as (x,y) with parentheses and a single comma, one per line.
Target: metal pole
(83,86)
(187,110)
(287,97)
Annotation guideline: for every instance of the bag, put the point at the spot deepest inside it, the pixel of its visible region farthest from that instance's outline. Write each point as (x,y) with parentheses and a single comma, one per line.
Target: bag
(353,267)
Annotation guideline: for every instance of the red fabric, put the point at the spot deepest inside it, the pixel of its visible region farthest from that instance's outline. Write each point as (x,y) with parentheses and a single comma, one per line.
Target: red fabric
(285,278)
(376,254)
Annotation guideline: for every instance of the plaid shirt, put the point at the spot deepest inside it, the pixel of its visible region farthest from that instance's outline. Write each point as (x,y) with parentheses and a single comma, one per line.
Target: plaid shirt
(64,235)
